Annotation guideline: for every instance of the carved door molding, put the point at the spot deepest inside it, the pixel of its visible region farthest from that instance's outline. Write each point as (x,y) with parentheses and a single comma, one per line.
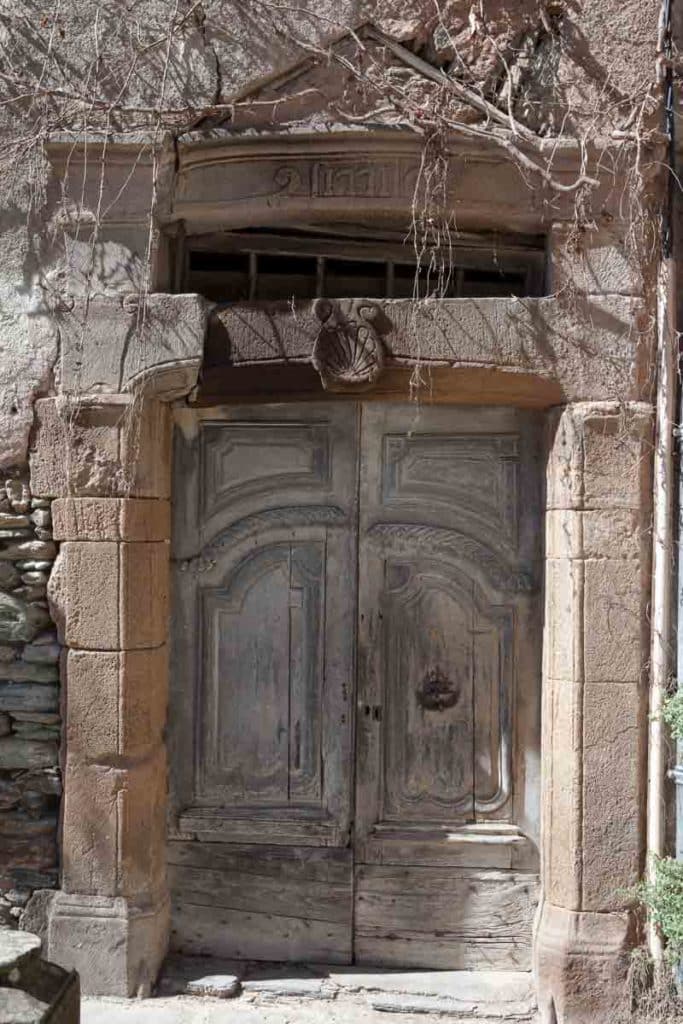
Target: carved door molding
(265,529)
(356,673)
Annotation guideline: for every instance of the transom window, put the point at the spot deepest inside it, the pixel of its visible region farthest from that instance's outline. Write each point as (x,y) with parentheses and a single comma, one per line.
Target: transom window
(258,266)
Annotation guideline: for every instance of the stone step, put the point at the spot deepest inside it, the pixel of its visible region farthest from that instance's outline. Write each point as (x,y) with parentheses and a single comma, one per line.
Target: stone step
(487,997)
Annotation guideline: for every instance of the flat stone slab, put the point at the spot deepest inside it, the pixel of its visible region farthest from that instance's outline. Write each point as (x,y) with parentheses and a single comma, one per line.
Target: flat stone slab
(16,946)
(220,986)
(453,1008)
(494,997)
(477,987)
(287,988)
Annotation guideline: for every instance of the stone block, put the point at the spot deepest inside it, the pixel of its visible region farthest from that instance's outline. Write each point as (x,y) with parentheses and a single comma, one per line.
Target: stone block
(131,583)
(116,704)
(86,518)
(113,828)
(563,534)
(581,964)
(112,344)
(602,533)
(109,447)
(75,449)
(563,606)
(20,620)
(587,350)
(600,263)
(128,519)
(84,595)
(29,697)
(145,520)
(20,671)
(615,636)
(116,947)
(614,773)
(144,594)
(218,986)
(562,794)
(616,533)
(599,457)
(617,457)
(146,446)
(17,752)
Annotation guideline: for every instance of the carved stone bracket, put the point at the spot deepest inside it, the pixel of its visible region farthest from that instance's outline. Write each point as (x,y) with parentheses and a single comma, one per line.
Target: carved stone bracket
(348,352)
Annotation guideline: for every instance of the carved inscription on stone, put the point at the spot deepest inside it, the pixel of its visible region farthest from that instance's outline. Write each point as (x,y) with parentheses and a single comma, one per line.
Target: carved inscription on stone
(351,179)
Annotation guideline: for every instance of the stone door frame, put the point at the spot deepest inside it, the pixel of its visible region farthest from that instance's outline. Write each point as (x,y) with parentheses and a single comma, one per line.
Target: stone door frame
(109,592)
(102,450)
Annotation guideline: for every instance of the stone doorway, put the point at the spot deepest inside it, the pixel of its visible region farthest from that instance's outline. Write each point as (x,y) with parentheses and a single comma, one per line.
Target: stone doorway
(354,711)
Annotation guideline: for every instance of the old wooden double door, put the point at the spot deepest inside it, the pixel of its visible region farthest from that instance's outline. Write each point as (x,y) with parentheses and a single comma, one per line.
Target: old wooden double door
(354,705)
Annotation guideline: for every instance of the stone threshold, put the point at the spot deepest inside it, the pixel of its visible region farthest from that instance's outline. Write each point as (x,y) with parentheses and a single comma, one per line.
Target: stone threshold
(462,995)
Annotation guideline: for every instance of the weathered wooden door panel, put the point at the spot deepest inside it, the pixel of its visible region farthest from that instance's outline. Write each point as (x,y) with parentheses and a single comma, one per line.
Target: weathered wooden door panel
(265,607)
(261,902)
(409,535)
(261,736)
(455,919)
(448,571)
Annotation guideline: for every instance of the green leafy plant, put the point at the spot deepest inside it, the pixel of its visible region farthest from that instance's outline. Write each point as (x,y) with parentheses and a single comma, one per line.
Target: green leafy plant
(663,898)
(672,713)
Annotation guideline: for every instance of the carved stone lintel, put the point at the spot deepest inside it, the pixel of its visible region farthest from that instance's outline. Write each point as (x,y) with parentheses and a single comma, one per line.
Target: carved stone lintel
(348,352)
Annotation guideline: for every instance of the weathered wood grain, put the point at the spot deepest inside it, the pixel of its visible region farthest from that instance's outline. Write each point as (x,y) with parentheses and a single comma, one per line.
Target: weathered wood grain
(260,902)
(457,919)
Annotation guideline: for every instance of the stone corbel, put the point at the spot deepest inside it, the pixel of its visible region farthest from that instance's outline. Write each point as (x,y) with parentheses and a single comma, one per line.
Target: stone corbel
(113,345)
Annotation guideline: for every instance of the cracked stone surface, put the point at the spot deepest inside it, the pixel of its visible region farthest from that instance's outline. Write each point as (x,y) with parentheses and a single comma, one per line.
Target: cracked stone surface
(274,993)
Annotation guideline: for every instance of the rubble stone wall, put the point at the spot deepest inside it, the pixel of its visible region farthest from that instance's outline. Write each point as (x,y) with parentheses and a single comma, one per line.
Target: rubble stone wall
(30,777)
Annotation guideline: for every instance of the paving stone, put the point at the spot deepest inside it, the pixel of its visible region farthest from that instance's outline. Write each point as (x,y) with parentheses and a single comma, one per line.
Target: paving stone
(487,1012)
(220,986)
(299,988)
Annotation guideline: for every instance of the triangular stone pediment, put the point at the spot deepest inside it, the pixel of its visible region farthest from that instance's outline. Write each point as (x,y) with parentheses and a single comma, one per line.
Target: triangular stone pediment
(362,79)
